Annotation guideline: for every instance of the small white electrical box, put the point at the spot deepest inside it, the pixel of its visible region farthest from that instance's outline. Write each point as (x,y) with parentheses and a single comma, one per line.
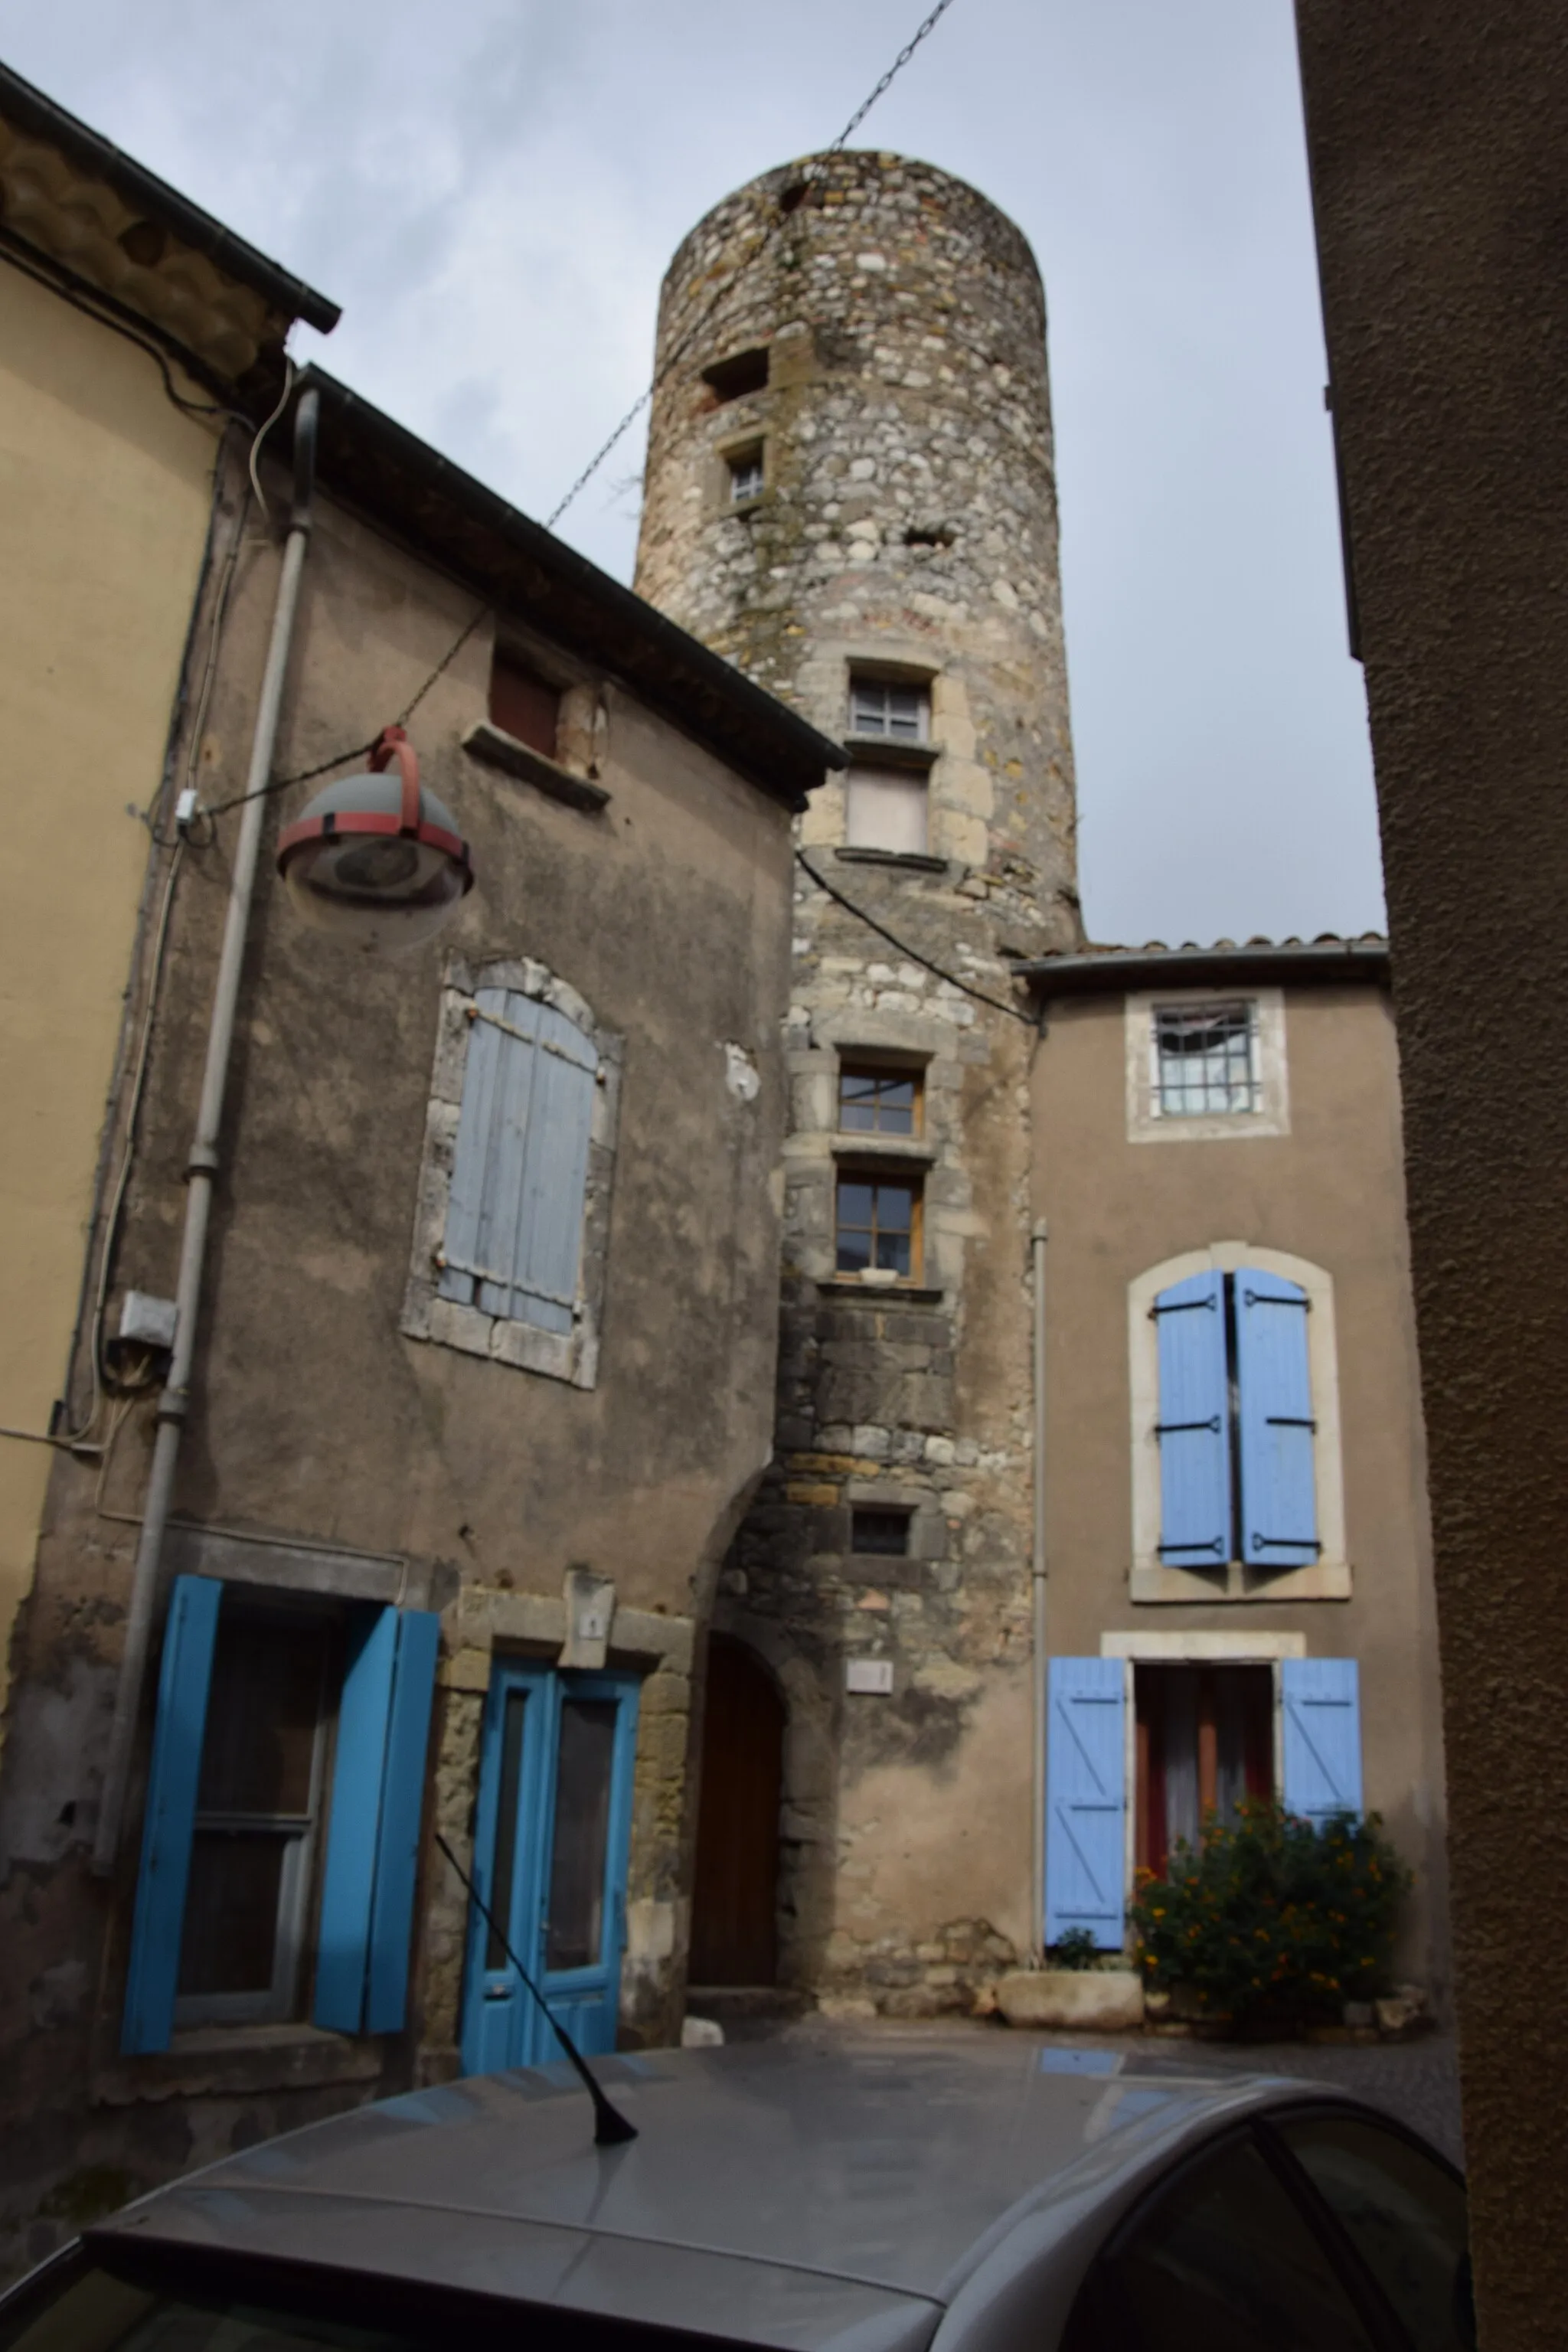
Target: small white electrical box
(872,1677)
(147,1322)
(186,808)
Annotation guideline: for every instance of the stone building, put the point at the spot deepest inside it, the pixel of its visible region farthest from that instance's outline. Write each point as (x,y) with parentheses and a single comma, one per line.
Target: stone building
(483,1368)
(850,493)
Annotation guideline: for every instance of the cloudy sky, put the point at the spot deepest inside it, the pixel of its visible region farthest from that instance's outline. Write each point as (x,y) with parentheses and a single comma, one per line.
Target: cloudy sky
(491,188)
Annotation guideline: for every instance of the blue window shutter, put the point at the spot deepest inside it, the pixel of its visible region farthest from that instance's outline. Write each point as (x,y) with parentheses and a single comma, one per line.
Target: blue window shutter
(402,1800)
(555,1174)
(514,1214)
(1086,1806)
(1193,1427)
(184,1677)
(1321,1700)
(384,1717)
(1279,1486)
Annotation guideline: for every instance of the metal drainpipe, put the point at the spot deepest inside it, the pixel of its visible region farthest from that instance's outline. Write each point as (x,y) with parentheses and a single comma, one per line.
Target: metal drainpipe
(1041,1680)
(202,1164)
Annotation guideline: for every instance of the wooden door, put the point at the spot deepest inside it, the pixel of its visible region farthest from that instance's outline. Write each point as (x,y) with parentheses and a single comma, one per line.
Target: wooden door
(734,1940)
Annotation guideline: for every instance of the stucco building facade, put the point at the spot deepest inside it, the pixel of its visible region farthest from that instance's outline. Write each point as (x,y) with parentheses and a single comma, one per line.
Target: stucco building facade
(484,1371)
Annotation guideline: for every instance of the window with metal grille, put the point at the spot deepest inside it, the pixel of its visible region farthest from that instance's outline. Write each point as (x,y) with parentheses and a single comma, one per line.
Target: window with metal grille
(878,1225)
(901,713)
(746,474)
(874,1102)
(880,1530)
(1205,1060)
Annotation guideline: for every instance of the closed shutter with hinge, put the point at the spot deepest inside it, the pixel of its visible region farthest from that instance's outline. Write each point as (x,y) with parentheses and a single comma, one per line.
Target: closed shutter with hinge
(1086,1800)
(1194,1426)
(1321,1703)
(185,1678)
(514,1216)
(1277,1428)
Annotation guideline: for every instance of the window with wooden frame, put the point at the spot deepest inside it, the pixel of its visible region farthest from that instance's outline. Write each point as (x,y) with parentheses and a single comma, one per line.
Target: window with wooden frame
(1205,1743)
(523,705)
(875,1098)
(878,1224)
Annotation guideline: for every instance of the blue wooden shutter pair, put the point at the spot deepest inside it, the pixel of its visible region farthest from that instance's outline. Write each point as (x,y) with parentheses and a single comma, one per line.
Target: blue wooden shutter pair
(514,1215)
(1321,1702)
(367,1902)
(1086,1800)
(1274,1429)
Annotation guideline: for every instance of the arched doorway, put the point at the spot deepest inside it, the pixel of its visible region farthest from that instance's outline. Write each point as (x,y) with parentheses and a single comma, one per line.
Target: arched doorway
(735,1938)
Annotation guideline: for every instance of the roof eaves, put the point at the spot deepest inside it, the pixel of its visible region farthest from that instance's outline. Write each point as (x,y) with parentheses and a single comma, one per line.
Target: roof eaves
(434,506)
(28,110)
(1302,962)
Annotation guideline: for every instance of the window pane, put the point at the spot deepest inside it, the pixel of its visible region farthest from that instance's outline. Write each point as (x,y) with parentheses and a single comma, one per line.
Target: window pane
(857,1100)
(1205,1060)
(98,2313)
(854,1203)
(1226,2263)
(262,1715)
(582,1833)
(884,808)
(875,1102)
(506,1826)
(884,1532)
(229,1943)
(1406,2217)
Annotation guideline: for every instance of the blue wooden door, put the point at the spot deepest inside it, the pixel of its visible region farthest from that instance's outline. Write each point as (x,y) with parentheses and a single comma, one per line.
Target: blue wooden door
(551,1836)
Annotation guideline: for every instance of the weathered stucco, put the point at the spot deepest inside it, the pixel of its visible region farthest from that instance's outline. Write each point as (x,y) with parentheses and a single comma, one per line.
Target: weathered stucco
(1328,1192)
(106,488)
(338,1447)
(1436,133)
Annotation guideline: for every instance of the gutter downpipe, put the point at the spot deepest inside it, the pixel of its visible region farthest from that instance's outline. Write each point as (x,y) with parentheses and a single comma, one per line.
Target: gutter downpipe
(1037,1239)
(200,1169)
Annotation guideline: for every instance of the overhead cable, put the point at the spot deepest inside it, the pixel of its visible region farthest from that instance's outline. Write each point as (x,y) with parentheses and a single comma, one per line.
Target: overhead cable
(914,955)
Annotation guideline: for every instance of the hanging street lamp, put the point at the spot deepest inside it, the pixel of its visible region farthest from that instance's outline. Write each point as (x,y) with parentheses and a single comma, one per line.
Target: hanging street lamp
(376,859)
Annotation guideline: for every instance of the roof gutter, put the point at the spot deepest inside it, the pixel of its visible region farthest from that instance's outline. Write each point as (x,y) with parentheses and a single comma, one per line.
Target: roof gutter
(30,110)
(1300,964)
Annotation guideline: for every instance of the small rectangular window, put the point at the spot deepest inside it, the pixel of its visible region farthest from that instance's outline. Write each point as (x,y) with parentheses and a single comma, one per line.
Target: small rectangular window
(884,808)
(877,1101)
(878,1224)
(901,713)
(1206,1060)
(524,706)
(880,1531)
(743,372)
(259,1802)
(746,476)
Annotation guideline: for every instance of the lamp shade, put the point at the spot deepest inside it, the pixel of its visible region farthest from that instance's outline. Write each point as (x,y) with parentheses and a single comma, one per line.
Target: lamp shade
(375,858)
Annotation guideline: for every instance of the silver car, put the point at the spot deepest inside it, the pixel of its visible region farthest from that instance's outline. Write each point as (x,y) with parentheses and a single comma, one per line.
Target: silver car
(886,2195)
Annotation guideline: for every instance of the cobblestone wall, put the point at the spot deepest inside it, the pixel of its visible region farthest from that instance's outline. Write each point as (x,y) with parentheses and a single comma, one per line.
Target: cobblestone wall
(873,332)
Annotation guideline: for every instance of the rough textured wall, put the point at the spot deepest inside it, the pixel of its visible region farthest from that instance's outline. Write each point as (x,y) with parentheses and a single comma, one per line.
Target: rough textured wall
(907,522)
(461,1483)
(1437,134)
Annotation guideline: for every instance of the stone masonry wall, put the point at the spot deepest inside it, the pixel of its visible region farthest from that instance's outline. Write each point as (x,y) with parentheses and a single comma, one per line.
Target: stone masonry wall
(906,528)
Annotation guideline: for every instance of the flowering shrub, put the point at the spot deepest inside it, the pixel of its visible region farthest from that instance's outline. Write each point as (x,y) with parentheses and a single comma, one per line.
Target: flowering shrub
(1076,1949)
(1273,1922)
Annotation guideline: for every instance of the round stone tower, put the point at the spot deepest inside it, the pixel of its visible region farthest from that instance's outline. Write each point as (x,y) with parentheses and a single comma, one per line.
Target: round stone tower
(850,462)
(851,494)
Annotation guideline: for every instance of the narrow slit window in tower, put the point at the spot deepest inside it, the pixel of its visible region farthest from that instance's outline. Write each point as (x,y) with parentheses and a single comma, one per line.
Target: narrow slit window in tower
(746,475)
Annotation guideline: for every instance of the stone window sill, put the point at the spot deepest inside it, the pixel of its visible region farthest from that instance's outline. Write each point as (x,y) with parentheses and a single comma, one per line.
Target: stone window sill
(880,1294)
(1327,1579)
(911,861)
(871,1147)
(237,2060)
(890,751)
(499,750)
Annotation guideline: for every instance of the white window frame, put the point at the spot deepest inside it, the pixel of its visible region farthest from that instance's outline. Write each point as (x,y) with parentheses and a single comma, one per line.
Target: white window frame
(1147,1123)
(860,682)
(570,1356)
(1328,1578)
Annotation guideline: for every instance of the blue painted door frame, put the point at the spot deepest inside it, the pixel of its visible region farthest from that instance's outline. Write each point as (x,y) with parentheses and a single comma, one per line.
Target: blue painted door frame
(525,1847)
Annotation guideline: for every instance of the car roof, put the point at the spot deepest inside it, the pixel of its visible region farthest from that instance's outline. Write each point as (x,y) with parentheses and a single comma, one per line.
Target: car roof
(781,2194)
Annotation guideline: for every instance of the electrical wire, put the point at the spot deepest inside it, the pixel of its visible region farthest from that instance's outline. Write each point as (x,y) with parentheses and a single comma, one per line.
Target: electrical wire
(914,955)
(680,348)
(261,435)
(68,287)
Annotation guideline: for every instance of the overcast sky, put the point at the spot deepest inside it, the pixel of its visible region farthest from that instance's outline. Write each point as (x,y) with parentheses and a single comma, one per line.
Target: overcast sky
(491,188)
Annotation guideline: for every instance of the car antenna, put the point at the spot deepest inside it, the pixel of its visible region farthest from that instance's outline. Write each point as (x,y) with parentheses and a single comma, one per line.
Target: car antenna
(610,2127)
